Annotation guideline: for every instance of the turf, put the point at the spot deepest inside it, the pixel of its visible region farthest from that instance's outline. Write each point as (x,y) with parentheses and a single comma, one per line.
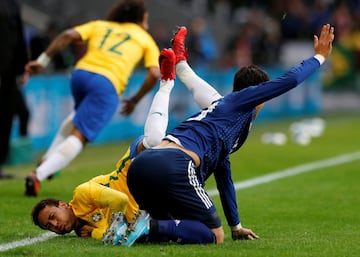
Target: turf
(310,214)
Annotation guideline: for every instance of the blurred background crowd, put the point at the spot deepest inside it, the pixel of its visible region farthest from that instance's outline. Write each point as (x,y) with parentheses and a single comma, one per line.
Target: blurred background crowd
(223,33)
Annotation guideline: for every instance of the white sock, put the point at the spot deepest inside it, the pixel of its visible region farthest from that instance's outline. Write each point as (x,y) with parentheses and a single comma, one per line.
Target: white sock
(63,132)
(203,93)
(60,157)
(157,119)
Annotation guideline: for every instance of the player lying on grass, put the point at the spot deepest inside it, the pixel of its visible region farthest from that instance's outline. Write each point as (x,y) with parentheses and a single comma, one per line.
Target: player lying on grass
(89,212)
(168,180)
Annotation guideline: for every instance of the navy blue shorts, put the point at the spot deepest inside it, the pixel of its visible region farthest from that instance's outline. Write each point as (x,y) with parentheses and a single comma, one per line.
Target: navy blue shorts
(164,183)
(96,102)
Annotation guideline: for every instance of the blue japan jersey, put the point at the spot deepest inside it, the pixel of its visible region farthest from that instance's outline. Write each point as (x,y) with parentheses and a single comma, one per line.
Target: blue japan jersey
(223,127)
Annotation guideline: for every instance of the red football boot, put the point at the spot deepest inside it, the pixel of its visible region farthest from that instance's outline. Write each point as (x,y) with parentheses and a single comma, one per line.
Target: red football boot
(167,64)
(178,44)
(32,185)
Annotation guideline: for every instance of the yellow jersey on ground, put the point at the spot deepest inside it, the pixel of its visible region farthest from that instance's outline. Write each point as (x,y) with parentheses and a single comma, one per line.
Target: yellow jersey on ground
(114,50)
(95,201)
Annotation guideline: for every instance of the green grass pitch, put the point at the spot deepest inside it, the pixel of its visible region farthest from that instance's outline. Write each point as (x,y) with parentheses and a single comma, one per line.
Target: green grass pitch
(316,213)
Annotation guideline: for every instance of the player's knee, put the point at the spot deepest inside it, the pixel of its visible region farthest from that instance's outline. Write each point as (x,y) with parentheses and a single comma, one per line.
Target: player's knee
(154,139)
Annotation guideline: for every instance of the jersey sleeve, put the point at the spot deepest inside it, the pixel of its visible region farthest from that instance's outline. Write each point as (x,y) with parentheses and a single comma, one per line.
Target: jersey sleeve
(151,54)
(85,30)
(255,95)
(227,191)
(97,195)
(133,146)
(98,233)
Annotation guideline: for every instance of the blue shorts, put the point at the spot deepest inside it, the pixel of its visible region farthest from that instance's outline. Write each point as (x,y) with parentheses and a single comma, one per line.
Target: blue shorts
(96,101)
(164,183)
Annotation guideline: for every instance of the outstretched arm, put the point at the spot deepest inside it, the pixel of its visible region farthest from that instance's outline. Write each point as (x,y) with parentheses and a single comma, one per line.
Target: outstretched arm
(58,44)
(149,83)
(254,95)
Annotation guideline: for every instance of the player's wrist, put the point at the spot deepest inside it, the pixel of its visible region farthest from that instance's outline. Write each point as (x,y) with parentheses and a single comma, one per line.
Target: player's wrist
(134,100)
(236,227)
(320,58)
(43,59)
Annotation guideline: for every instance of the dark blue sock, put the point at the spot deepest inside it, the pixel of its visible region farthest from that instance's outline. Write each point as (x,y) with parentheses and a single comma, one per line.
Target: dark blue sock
(182,231)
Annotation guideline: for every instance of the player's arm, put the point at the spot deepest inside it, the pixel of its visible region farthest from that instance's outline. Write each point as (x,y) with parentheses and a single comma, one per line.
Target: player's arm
(64,39)
(85,231)
(93,194)
(227,193)
(107,197)
(255,95)
(151,55)
(152,76)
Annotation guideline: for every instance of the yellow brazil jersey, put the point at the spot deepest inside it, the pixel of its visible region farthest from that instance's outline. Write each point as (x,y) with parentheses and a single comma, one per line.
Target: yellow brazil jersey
(95,200)
(117,180)
(94,203)
(114,50)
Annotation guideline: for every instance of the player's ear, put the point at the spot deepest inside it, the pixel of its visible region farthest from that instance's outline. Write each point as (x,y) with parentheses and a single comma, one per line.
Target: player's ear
(63,204)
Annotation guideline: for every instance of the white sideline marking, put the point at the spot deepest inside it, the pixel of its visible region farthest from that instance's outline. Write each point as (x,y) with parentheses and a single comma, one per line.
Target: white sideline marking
(311,166)
(27,241)
(341,159)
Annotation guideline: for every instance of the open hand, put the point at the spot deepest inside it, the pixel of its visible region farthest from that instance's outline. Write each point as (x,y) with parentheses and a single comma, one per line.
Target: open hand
(323,43)
(243,234)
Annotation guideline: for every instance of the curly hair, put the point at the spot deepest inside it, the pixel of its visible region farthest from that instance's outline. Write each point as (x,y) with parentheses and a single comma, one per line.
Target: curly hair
(40,206)
(127,11)
(251,75)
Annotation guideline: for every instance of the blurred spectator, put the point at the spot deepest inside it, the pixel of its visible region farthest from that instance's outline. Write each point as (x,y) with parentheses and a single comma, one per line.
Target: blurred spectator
(201,44)
(13,57)
(257,40)
(320,14)
(344,63)
(38,43)
(239,49)
(295,24)
(160,33)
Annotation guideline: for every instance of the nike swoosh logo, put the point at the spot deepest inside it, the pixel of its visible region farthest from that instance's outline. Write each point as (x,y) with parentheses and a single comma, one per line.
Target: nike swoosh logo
(157,113)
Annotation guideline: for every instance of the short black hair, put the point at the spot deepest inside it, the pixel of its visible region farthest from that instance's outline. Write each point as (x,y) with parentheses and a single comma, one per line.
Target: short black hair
(127,11)
(251,75)
(40,206)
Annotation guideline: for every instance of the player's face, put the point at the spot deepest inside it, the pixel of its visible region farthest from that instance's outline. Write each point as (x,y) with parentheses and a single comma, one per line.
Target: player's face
(59,219)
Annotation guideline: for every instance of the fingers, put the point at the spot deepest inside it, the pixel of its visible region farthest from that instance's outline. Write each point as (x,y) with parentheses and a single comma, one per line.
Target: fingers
(332,34)
(246,234)
(252,235)
(327,32)
(316,41)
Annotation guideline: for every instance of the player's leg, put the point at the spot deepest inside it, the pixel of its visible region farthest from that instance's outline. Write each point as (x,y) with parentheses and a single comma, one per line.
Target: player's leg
(157,119)
(64,131)
(180,231)
(62,155)
(163,175)
(203,93)
(93,112)
(95,103)
(146,229)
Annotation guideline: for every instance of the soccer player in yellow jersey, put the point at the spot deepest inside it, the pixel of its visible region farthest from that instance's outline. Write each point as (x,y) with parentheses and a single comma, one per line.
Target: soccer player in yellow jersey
(90,210)
(114,47)
(93,203)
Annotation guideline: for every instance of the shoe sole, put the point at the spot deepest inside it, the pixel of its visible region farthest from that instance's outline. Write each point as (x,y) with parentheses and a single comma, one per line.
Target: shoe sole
(30,187)
(138,232)
(116,231)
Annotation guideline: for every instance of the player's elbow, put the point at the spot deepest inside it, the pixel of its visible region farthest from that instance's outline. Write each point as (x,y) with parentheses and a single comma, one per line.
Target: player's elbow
(154,73)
